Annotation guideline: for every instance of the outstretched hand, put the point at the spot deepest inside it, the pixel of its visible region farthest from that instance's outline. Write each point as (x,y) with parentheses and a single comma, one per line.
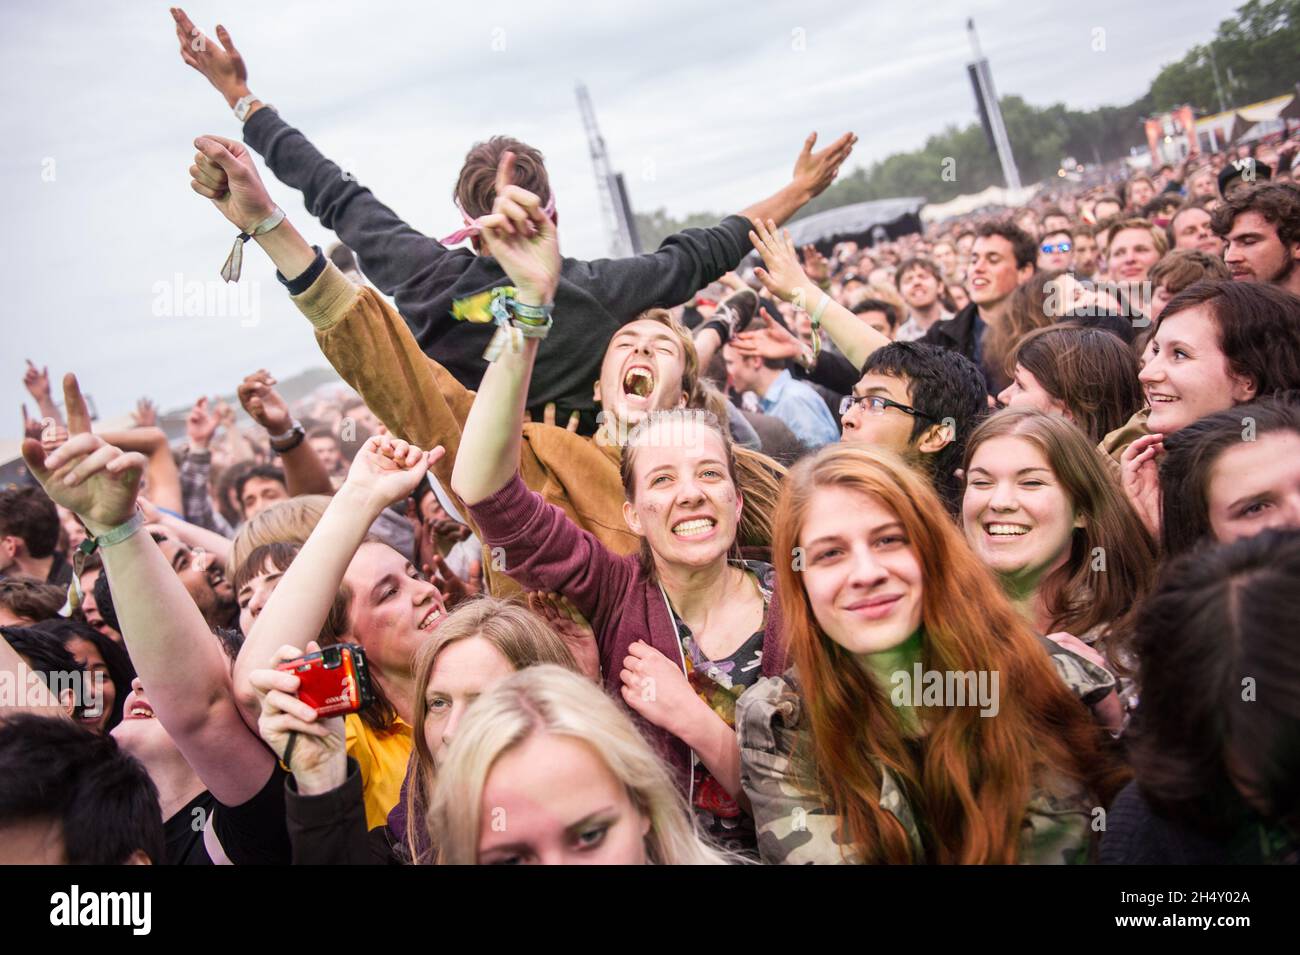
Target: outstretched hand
(224,172)
(773,340)
(387,469)
(522,238)
(87,475)
(814,171)
(784,276)
(221,63)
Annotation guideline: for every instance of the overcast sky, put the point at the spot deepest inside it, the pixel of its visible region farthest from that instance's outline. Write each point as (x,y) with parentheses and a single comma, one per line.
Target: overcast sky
(703,106)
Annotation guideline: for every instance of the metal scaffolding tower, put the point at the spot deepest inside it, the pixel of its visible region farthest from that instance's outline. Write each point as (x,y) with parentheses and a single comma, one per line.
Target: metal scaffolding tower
(615,207)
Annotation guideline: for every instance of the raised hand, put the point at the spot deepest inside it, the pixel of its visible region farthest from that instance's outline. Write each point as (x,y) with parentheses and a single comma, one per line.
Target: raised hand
(86,475)
(784,277)
(263,403)
(220,63)
(387,469)
(571,627)
(1140,478)
(814,171)
(201,425)
(815,266)
(522,238)
(319,757)
(37,382)
(145,414)
(774,340)
(224,172)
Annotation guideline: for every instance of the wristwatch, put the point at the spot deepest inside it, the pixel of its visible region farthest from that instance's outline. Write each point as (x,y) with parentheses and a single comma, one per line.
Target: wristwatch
(283,443)
(243,105)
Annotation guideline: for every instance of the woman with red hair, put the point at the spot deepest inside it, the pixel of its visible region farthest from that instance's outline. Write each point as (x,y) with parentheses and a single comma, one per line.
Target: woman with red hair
(921,720)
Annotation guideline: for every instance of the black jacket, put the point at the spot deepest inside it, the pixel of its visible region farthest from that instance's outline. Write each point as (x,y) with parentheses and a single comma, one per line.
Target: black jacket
(963,333)
(424,277)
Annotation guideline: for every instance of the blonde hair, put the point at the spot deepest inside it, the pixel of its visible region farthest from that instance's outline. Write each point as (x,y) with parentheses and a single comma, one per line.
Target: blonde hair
(519,635)
(550,700)
(285,522)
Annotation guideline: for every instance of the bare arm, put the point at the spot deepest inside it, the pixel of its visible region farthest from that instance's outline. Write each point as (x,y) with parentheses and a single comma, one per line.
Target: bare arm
(522,239)
(386,470)
(160,623)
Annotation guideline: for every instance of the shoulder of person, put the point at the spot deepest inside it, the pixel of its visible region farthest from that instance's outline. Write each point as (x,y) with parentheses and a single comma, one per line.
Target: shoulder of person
(1057,829)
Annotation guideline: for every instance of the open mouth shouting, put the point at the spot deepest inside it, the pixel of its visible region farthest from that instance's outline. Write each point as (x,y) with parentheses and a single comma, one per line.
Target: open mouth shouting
(639,382)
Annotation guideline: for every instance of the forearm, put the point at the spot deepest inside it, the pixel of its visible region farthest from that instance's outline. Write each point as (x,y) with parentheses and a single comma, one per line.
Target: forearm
(48,409)
(779,206)
(199,537)
(715,743)
(162,628)
(304,473)
(286,247)
(707,343)
(852,336)
(296,611)
(489,448)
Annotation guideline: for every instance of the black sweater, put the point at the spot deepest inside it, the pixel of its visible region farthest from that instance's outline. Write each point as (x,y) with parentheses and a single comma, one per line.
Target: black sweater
(423,276)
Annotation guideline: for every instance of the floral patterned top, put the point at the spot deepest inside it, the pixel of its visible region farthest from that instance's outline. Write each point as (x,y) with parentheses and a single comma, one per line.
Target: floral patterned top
(720,684)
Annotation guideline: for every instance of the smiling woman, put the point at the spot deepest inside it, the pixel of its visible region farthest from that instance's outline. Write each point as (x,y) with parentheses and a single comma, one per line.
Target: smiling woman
(1042,512)
(836,767)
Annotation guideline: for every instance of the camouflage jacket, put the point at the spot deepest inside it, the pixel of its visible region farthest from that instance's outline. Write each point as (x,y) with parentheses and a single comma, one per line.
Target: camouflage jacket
(796,828)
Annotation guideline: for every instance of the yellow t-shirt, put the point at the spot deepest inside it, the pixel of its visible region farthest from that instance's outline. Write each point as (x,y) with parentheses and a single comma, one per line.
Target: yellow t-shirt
(382,757)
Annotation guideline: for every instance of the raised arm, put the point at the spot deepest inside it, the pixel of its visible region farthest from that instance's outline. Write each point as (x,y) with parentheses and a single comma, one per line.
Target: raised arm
(397,258)
(522,239)
(178,659)
(386,469)
(363,337)
(784,277)
(37,382)
(303,471)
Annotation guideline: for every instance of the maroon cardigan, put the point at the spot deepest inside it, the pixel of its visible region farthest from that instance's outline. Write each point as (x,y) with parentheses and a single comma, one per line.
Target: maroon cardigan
(546,551)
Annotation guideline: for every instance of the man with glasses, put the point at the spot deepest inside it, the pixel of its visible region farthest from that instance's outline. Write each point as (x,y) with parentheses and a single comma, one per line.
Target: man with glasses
(1054,251)
(921,402)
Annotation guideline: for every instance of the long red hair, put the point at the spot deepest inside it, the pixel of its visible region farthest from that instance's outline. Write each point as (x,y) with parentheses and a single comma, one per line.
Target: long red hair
(971,786)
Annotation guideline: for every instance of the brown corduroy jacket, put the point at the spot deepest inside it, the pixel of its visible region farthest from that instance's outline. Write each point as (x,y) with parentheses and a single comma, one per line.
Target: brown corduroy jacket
(370,346)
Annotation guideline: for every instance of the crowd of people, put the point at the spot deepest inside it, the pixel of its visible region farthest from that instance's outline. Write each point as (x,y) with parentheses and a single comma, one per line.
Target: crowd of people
(975,545)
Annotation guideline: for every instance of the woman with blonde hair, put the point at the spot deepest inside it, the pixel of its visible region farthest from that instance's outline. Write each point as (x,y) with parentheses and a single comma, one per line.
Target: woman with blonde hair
(547,770)
(482,642)
(854,754)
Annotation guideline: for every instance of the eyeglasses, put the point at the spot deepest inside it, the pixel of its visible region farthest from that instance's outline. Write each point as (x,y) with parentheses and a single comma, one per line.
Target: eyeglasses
(1059,247)
(876,404)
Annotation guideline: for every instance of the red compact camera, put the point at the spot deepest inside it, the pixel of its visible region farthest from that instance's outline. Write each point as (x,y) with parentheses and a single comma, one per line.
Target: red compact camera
(333,681)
